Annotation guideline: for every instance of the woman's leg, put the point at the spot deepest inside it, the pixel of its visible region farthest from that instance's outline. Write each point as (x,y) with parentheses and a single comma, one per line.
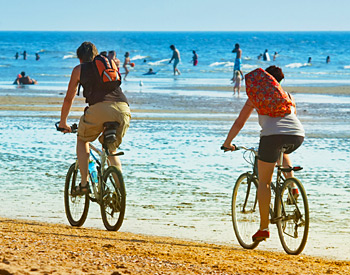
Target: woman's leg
(265,170)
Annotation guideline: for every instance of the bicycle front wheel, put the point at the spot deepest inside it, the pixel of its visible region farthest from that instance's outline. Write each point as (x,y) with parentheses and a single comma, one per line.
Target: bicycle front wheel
(76,207)
(245,213)
(293,227)
(113,199)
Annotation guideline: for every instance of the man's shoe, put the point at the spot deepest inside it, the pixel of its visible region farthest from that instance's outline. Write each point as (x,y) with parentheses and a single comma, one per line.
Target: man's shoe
(261,235)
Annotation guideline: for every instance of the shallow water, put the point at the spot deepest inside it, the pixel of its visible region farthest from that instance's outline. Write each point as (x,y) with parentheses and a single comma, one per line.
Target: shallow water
(178,181)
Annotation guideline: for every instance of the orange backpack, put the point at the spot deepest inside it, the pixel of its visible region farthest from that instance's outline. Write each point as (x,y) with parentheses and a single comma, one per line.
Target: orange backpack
(107,69)
(267,95)
(107,73)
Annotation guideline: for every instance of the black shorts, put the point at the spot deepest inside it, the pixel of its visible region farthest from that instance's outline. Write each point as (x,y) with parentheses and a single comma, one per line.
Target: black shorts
(270,146)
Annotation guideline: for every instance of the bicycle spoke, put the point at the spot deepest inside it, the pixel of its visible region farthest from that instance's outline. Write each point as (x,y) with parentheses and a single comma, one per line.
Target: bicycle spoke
(294,226)
(113,199)
(245,214)
(76,206)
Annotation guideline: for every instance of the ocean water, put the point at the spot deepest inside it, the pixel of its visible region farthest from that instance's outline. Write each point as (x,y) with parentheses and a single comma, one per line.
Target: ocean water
(178,181)
(151,50)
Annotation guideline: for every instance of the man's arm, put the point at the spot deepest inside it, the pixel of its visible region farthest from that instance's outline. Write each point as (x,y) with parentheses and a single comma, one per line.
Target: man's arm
(69,98)
(172,58)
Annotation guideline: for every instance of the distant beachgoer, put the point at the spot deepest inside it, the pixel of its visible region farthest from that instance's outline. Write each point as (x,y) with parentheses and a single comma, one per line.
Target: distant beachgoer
(150,71)
(16,55)
(266,56)
(275,56)
(103,53)
(238,59)
(309,60)
(328,59)
(237,79)
(37,56)
(25,55)
(112,55)
(176,58)
(194,58)
(260,56)
(126,62)
(22,79)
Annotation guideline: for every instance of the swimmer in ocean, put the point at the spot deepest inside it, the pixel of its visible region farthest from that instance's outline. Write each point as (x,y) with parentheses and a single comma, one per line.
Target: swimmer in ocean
(22,79)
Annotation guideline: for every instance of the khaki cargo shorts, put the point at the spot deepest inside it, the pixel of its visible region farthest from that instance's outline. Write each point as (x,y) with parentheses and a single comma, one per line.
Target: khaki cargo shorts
(91,123)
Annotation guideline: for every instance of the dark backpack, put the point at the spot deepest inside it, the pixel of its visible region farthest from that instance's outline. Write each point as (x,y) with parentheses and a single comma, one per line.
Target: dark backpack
(108,74)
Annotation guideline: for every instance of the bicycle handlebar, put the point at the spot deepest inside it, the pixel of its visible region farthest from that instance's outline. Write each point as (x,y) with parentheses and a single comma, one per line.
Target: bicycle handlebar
(237,148)
(74,127)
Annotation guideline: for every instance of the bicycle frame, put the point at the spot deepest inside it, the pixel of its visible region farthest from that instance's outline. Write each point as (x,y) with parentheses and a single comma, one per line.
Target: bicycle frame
(275,187)
(100,169)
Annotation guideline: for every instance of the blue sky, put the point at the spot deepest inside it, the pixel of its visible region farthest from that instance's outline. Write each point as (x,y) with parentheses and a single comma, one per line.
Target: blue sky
(176,15)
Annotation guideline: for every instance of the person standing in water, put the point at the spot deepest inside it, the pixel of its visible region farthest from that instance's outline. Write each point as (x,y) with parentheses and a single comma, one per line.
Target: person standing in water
(113,55)
(238,61)
(194,58)
(266,56)
(176,58)
(126,63)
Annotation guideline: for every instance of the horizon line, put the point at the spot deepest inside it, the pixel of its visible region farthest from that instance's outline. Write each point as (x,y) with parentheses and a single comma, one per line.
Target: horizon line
(174,31)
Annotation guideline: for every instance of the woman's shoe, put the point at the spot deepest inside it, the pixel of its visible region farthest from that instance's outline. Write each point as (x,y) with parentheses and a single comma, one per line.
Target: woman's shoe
(261,235)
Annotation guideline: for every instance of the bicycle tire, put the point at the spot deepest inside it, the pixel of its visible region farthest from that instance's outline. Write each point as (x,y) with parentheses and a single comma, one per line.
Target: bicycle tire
(293,227)
(244,210)
(76,207)
(113,199)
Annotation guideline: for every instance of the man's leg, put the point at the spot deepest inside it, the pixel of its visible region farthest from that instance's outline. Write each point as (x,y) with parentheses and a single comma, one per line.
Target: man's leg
(83,153)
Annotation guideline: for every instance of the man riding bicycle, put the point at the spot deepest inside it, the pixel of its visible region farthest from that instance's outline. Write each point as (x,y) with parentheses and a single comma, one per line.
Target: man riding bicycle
(105,105)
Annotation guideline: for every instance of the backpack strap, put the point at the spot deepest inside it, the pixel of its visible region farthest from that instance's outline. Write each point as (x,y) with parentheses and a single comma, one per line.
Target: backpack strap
(78,92)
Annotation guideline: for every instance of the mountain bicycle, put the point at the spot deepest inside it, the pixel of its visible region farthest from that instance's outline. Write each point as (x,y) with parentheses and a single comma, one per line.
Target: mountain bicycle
(108,189)
(290,212)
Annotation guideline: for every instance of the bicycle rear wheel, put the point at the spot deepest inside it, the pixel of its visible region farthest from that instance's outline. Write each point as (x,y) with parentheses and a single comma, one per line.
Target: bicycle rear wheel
(76,207)
(245,213)
(113,199)
(293,228)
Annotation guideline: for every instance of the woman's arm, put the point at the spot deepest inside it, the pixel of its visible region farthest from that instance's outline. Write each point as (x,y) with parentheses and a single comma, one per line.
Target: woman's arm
(238,124)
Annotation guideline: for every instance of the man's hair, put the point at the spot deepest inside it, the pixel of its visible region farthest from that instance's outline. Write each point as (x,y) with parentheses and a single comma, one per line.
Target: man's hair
(87,52)
(237,45)
(276,72)
(172,47)
(23,73)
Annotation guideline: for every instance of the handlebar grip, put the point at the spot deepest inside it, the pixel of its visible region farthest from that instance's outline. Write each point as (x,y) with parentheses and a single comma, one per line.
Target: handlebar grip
(228,149)
(74,127)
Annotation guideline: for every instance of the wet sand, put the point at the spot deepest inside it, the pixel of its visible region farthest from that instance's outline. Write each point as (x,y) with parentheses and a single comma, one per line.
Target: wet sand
(29,247)
(142,102)
(341,90)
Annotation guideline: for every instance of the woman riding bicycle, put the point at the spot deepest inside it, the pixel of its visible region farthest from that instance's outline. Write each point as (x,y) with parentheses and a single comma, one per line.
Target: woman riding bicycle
(105,105)
(276,132)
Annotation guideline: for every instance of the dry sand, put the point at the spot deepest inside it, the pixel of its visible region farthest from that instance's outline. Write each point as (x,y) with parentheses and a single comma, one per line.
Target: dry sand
(29,247)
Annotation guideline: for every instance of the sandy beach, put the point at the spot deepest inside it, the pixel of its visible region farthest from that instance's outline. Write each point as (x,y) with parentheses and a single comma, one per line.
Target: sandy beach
(29,247)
